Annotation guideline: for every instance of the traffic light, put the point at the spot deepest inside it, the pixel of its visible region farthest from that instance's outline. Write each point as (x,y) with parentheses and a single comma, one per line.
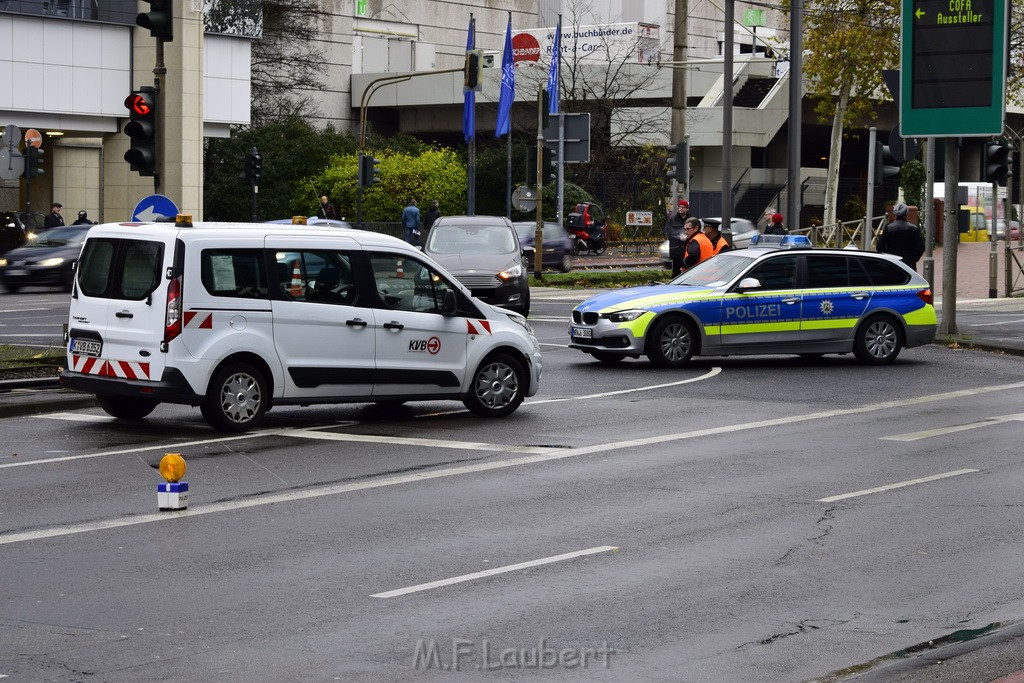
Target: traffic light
(254,167)
(33,162)
(997,161)
(369,173)
(548,171)
(141,128)
(885,164)
(472,71)
(678,161)
(159,19)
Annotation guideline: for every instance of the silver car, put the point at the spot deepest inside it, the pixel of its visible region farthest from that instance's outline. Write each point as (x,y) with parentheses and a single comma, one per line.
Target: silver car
(742,231)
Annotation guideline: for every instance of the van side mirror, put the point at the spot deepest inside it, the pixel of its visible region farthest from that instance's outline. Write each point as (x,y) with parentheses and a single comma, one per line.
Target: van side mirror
(451,303)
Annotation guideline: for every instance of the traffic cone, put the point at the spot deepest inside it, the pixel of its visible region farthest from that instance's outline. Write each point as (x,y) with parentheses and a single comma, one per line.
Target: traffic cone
(295,287)
(398,269)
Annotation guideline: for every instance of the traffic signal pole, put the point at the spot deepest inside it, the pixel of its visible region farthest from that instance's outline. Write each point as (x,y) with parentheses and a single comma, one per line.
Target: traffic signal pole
(538,235)
(866,241)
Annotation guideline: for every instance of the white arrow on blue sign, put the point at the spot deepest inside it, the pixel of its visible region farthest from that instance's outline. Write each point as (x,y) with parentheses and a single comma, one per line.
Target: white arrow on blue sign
(153,207)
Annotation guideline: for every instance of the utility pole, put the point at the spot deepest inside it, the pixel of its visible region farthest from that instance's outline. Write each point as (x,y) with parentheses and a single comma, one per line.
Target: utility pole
(680,51)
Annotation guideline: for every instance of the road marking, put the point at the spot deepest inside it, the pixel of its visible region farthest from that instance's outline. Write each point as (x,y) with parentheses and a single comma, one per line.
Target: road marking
(22,310)
(411,441)
(940,431)
(898,485)
(444,472)
(1001,322)
(545,319)
(707,375)
(561,346)
(79,417)
(492,572)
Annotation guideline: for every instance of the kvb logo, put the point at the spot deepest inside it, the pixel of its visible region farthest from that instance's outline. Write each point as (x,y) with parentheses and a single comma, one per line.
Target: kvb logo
(431,346)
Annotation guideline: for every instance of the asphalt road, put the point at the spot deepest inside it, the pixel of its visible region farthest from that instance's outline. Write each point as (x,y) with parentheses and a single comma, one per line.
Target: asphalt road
(754,519)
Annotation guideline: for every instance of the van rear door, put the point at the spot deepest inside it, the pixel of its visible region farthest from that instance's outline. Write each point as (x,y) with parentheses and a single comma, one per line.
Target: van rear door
(118,308)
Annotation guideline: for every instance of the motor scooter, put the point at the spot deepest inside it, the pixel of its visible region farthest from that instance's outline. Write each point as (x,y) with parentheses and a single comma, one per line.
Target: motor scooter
(587,239)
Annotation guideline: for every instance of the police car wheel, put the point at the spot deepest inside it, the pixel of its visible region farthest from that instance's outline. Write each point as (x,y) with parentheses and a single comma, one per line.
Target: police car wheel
(672,343)
(126,408)
(608,358)
(237,398)
(878,340)
(498,387)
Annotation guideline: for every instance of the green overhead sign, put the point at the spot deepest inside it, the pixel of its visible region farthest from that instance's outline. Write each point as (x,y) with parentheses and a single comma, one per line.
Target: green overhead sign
(953,68)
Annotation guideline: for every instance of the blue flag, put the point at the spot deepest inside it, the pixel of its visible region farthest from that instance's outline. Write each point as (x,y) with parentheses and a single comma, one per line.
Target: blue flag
(508,85)
(556,57)
(469,97)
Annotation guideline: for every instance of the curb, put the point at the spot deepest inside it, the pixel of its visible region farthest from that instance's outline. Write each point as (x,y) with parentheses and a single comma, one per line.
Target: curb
(50,405)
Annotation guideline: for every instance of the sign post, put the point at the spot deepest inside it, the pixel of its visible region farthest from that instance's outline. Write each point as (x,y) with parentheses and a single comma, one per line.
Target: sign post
(953,68)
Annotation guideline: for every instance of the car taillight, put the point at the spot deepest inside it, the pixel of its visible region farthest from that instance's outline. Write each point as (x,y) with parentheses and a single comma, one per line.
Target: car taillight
(172,318)
(925,295)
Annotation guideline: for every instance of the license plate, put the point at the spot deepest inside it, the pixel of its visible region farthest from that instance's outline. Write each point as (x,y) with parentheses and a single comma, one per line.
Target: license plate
(582,333)
(86,347)
(16,272)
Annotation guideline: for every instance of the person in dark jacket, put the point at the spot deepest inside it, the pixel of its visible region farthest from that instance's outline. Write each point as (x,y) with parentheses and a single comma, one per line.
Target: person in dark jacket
(675,233)
(902,238)
(776,227)
(54,219)
(83,218)
(433,213)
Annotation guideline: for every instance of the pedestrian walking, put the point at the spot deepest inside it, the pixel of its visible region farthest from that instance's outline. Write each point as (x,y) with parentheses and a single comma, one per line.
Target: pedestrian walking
(902,238)
(411,223)
(433,213)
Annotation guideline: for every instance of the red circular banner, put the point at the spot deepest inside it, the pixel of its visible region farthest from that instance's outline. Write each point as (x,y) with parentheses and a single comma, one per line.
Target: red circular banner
(525,48)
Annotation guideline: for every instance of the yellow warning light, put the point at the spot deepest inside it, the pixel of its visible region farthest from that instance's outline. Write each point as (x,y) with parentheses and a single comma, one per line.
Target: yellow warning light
(172,467)
(183,220)
(298,220)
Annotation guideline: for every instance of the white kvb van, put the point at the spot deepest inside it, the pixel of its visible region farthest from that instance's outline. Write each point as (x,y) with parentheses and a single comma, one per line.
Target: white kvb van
(237,318)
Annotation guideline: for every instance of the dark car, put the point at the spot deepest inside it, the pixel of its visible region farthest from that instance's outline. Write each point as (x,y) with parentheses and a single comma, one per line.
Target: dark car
(46,260)
(557,244)
(16,227)
(484,254)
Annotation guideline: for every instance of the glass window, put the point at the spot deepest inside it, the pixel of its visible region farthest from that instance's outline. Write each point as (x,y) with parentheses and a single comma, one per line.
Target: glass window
(323,277)
(406,284)
(884,272)
(775,273)
(95,267)
(120,269)
(827,272)
(236,273)
(140,272)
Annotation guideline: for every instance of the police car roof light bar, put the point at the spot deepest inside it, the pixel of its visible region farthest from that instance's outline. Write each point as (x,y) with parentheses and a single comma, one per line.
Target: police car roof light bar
(781,241)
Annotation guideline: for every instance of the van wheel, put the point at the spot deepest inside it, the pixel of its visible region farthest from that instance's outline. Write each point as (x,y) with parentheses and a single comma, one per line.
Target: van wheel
(498,387)
(237,398)
(127,408)
(877,340)
(671,342)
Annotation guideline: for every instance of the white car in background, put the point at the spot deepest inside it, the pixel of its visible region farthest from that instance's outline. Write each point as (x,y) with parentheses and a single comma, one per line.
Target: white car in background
(742,231)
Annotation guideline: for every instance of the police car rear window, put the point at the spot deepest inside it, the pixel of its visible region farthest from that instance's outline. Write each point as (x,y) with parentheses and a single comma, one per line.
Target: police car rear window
(885,273)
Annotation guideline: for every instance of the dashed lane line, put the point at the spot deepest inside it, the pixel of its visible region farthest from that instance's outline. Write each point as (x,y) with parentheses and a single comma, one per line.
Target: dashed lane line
(897,485)
(952,429)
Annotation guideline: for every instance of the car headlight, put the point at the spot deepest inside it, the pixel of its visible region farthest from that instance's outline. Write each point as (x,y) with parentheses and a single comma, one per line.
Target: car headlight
(519,320)
(3,262)
(50,262)
(513,272)
(624,316)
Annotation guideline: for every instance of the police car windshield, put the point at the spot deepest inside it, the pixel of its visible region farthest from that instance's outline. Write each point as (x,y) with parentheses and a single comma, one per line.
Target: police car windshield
(714,272)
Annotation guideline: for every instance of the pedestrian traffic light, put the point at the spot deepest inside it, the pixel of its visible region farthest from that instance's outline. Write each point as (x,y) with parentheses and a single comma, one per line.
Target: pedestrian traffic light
(254,167)
(141,128)
(997,161)
(159,19)
(885,164)
(33,162)
(369,173)
(678,161)
(472,71)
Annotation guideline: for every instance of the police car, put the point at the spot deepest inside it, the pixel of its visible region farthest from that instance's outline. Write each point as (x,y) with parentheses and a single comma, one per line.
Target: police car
(238,318)
(779,296)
